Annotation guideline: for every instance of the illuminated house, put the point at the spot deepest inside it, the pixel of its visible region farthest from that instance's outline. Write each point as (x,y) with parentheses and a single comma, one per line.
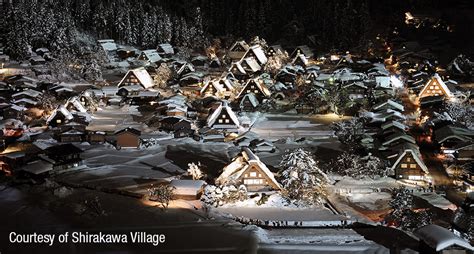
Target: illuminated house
(407,163)
(223,118)
(247,169)
(257,87)
(435,87)
(150,55)
(256,52)
(302,50)
(138,76)
(219,88)
(59,117)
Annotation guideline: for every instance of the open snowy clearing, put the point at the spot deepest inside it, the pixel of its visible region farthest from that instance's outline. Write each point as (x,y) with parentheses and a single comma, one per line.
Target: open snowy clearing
(370,201)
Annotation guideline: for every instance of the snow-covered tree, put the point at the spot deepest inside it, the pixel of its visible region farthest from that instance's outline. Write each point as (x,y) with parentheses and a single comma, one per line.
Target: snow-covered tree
(353,165)
(350,132)
(302,180)
(402,213)
(460,112)
(276,62)
(195,171)
(162,194)
(92,71)
(402,200)
(163,75)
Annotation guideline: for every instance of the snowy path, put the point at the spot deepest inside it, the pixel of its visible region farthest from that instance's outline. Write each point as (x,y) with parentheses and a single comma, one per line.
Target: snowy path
(294,126)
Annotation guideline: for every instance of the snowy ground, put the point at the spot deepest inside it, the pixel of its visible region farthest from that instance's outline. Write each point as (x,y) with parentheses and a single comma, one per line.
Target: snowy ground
(283,126)
(370,201)
(107,167)
(113,118)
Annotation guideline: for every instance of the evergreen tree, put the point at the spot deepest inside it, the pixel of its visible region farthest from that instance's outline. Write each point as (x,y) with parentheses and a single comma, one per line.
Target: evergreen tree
(301,178)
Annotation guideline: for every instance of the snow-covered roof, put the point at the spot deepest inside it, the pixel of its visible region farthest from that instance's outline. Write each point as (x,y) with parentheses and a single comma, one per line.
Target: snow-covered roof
(251,63)
(300,57)
(449,131)
(61,110)
(74,101)
(243,44)
(415,154)
(232,172)
(166,48)
(37,167)
(303,49)
(437,78)
(398,136)
(259,84)
(396,124)
(250,97)
(29,92)
(217,86)
(383,81)
(258,52)
(108,45)
(237,66)
(391,104)
(151,55)
(185,66)
(25,101)
(17,108)
(142,75)
(440,238)
(211,121)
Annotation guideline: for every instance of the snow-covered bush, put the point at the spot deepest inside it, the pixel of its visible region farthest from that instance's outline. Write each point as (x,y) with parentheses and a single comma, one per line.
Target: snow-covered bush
(353,165)
(220,195)
(350,132)
(302,180)
(195,170)
(162,194)
(460,112)
(403,215)
(163,74)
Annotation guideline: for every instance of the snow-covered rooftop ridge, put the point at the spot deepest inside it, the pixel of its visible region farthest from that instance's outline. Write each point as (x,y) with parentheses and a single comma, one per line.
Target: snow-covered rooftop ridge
(224,106)
(232,172)
(440,82)
(60,109)
(440,238)
(142,75)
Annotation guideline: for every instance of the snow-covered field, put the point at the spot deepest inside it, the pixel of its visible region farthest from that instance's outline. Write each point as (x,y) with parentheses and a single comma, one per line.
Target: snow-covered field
(283,126)
(370,201)
(113,118)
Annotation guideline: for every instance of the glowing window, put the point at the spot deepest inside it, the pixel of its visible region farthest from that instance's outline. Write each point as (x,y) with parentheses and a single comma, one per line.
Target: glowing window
(253,174)
(404,165)
(412,165)
(227,121)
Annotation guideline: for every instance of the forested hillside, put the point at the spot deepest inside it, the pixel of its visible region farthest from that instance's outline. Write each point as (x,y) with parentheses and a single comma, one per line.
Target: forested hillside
(325,24)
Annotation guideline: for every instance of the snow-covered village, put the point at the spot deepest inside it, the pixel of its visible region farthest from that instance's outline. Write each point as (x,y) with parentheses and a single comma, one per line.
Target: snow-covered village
(236,126)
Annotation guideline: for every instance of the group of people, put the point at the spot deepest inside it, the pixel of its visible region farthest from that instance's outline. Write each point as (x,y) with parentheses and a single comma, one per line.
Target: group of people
(268,223)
